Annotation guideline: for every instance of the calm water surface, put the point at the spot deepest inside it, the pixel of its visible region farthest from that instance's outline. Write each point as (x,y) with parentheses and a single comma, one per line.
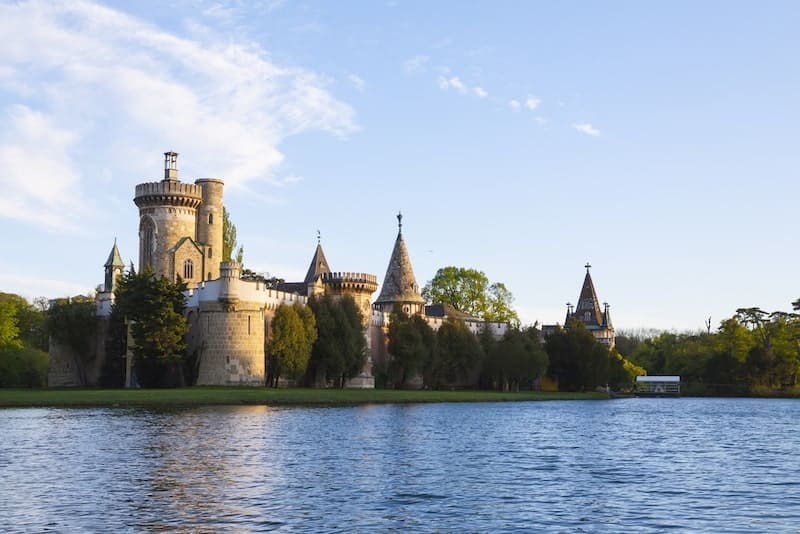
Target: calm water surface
(636,465)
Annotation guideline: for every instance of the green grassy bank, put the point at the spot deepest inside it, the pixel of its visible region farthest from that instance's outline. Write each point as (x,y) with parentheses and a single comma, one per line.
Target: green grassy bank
(264,396)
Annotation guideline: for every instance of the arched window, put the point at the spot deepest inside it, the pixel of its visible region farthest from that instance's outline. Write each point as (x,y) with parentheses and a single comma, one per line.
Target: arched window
(210,218)
(147,242)
(188,269)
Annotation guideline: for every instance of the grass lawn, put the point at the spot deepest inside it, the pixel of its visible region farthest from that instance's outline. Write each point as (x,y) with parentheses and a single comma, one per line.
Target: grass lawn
(265,396)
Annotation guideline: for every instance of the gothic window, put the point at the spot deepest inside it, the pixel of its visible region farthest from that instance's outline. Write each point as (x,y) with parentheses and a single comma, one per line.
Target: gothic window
(147,242)
(188,269)
(210,255)
(210,218)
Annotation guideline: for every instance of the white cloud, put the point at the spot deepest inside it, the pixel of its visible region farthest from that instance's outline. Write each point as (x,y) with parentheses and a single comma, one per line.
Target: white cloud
(532,102)
(357,81)
(514,104)
(453,82)
(95,87)
(541,121)
(481,92)
(587,128)
(39,180)
(416,64)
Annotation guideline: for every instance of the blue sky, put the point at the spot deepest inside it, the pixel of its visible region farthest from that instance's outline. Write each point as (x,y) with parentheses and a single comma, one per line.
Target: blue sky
(657,141)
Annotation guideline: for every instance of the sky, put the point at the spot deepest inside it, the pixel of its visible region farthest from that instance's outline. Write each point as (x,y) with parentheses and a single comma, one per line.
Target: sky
(657,141)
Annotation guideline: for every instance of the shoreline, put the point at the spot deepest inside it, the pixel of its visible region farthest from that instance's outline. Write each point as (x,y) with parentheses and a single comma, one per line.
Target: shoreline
(243,396)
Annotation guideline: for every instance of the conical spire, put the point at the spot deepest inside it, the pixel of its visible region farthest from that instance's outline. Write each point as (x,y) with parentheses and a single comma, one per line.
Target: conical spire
(319,264)
(399,285)
(113,268)
(114,258)
(588,309)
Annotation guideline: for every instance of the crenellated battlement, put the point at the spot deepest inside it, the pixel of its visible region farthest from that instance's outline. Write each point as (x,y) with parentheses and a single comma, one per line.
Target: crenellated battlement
(347,277)
(168,192)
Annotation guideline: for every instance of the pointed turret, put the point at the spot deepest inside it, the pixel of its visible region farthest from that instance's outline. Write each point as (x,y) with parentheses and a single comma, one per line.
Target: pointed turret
(400,285)
(319,264)
(607,316)
(113,268)
(588,309)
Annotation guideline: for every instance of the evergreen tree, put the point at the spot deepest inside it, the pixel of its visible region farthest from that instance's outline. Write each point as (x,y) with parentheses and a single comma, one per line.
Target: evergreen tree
(153,306)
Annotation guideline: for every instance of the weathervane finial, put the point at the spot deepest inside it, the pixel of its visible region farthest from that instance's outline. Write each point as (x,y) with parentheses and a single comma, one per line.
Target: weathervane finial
(400,221)
(588,266)
(319,237)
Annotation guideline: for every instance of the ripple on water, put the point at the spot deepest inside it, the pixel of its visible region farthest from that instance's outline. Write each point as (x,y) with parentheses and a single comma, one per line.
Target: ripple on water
(648,465)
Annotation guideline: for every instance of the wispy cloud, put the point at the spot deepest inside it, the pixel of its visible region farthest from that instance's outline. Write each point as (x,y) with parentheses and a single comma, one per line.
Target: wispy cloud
(357,81)
(454,82)
(67,63)
(514,104)
(416,64)
(587,128)
(480,91)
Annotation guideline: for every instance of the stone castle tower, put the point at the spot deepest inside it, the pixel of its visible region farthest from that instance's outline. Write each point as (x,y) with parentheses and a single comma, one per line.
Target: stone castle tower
(180,226)
(400,286)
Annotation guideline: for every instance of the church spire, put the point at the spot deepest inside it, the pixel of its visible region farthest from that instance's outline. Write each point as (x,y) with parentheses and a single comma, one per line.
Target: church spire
(319,264)
(588,309)
(400,284)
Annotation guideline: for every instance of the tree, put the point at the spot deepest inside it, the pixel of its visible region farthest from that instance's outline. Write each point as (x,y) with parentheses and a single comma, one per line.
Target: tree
(153,306)
(517,360)
(412,343)
(340,350)
(577,359)
(468,291)
(229,239)
(457,357)
(294,331)
(9,331)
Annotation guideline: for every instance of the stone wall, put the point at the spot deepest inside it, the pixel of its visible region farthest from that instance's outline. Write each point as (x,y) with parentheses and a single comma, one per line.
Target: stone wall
(63,369)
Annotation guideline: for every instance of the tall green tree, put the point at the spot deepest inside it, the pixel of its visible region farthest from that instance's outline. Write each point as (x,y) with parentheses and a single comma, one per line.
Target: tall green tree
(412,343)
(340,350)
(154,308)
(577,359)
(517,360)
(230,252)
(469,291)
(457,358)
(294,331)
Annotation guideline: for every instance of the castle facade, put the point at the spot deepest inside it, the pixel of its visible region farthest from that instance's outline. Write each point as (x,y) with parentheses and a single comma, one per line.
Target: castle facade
(181,236)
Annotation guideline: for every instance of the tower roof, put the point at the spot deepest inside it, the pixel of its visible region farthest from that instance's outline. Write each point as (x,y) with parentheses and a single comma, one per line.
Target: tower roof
(399,285)
(319,265)
(588,309)
(114,258)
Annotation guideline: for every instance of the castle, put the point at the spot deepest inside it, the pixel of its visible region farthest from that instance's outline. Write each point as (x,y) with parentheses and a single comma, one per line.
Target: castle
(181,236)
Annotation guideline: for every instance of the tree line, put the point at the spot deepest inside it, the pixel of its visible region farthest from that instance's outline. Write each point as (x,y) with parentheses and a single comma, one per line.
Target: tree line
(754,352)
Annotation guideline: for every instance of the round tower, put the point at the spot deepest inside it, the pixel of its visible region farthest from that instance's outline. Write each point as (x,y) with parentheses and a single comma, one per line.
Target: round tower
(209,225)
(167,214)
(231,335)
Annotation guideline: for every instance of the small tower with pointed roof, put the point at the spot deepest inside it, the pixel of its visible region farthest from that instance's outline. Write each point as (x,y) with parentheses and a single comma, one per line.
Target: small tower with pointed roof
(400,286)
(588,312)
(114,267)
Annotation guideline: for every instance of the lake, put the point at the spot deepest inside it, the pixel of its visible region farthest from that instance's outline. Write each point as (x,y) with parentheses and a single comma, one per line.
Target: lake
(640,465)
